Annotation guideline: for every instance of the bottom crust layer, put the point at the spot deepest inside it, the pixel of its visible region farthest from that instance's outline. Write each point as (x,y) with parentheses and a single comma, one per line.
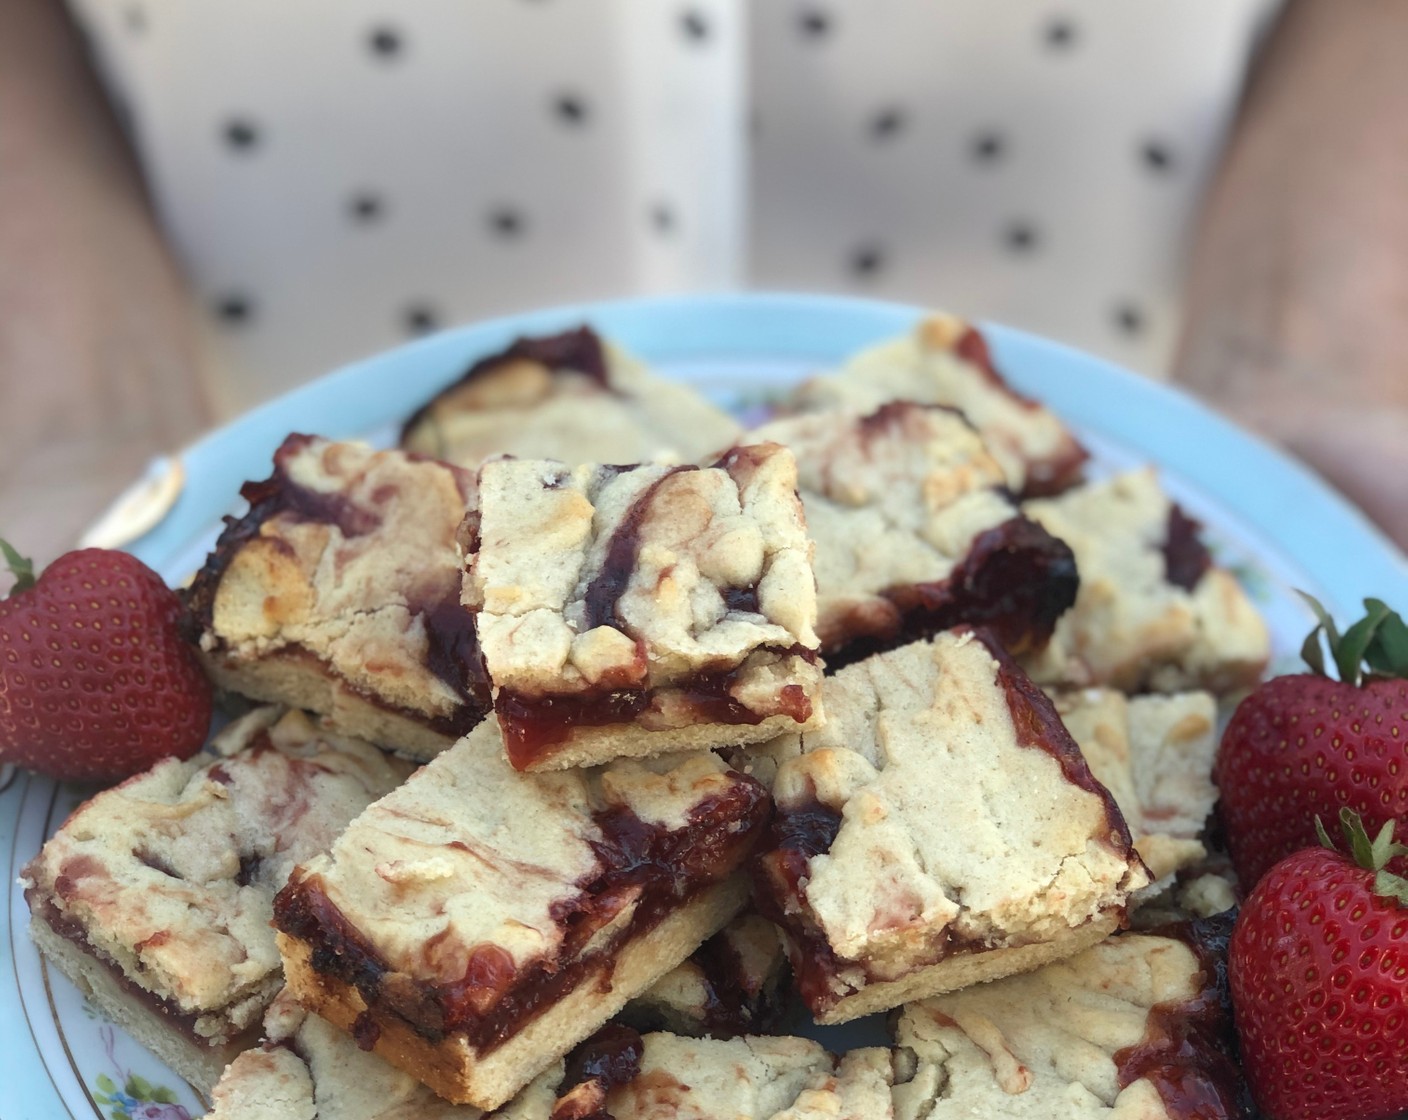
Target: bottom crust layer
(455,1070)
(200,1063)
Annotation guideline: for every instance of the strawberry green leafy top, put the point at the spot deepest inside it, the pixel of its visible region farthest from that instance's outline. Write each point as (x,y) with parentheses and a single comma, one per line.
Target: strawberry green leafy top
(1372,855)
(1379,641)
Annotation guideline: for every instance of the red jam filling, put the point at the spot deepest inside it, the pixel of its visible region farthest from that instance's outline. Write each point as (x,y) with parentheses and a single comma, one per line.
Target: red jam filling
(795,836)
(536,726)
(1188,1049)
(656,868)
(1017,579)
(1186,558)
(579,350)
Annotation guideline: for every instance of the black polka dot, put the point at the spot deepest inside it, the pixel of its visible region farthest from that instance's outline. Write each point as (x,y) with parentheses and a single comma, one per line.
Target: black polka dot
(1157,157)
(887,123)
(988,147)
(662,218)
(866,260)
(570,109)
(234,308)
(814,23)
(1020,237)
(241,134)
(693,25)
(419,318)
(135,17)
(1129,318)
(506,222)
(384,42)
(1059,34)
(366,207)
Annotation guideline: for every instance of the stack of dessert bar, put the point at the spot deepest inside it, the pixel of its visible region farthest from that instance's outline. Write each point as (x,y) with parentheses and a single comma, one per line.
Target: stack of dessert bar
(847,693)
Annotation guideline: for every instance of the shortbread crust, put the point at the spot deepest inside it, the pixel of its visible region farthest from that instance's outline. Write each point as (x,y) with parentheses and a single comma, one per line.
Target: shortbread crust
(942,829)
(629,611)
(570,397)
(1153,611)
(946,361)
(916,532)
(464,925)
(156,895)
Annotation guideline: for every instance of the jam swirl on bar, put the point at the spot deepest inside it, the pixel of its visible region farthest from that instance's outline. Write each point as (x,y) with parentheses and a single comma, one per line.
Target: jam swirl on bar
(1016,579)
(579,350)
(653,868)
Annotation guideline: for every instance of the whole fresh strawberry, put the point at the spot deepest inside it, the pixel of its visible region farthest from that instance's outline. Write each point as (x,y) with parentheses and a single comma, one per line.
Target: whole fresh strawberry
(1305,745)
(1318,967)
(95,682)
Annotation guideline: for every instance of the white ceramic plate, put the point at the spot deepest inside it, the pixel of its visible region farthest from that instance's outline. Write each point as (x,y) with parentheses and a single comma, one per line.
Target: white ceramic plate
(1270,519)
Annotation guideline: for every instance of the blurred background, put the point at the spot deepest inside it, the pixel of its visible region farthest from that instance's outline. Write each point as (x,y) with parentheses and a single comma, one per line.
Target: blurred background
(202,205)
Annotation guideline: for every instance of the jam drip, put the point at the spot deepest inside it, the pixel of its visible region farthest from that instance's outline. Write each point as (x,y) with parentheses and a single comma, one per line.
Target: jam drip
(1189,1050)
(612,578)
(610,1058)
(453,655)
(1186,558)
(655,869)
(795,835)
(1016,579)
(731,1006)
(535,726)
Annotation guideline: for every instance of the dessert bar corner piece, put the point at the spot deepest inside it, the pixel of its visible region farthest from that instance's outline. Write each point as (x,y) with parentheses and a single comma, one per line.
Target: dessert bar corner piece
(916,532)
(630,611)
(338,592)
(155,896)
(475,924)
(941,830)
(1154,754)
(1137,1025)
(1153,611)
(945,360)
(570,397)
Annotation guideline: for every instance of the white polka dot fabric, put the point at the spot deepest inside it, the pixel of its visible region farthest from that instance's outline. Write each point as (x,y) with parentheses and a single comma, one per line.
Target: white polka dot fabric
(339,174)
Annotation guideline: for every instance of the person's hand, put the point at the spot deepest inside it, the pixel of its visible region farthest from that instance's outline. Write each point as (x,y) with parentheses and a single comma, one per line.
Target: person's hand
(1297,305)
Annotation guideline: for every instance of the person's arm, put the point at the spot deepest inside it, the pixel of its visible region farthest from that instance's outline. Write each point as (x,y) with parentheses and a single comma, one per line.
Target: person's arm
(1297,305)
(97,360)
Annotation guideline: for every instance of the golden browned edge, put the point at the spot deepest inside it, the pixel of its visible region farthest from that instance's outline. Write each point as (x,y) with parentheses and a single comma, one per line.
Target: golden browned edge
(455,1071)
(300,680)
(963,970)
